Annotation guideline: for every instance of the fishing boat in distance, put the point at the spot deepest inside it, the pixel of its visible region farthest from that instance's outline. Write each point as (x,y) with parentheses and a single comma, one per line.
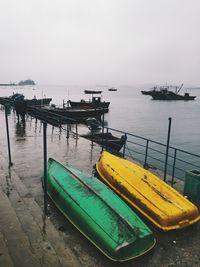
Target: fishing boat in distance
(112,89)
(36,102)
(94,103)
(168,92)
(147,193)
(98,213)
(92,92)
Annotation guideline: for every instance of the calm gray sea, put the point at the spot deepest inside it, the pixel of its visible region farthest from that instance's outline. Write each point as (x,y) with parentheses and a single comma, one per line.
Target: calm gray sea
(133,112)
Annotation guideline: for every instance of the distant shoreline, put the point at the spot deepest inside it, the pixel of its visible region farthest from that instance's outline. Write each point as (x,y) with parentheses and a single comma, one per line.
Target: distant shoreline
(8,84)
(26,82)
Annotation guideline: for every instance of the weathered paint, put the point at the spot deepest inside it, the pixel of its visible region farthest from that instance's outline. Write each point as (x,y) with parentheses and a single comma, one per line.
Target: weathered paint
(98,213)
(146,192)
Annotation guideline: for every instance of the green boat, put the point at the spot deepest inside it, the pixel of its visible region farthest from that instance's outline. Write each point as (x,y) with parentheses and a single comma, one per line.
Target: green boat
(98,213)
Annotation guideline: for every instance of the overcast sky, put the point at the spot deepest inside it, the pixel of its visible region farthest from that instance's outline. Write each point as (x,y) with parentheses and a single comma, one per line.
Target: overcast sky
(100,41)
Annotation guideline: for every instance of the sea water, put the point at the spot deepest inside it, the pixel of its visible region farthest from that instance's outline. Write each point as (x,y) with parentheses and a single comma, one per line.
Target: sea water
(132,112)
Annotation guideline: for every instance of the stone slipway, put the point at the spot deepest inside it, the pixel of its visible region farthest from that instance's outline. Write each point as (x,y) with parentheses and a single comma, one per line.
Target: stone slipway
(26,238)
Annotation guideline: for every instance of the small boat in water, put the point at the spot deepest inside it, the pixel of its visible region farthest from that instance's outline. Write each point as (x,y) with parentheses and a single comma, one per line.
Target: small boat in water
(93,124)
(98,213)
(167,93)
(95,103)
(108,140)
(113,89)
(37,102)
(92,92)
(147,193)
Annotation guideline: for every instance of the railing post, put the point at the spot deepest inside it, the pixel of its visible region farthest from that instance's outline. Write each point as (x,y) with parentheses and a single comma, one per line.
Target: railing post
(67,131)
(173,171)
(92,137)
(124,147)
(76,131)
(146,154)
(45,165)
(167,148)
(102,131)
(8,137)
(106,143)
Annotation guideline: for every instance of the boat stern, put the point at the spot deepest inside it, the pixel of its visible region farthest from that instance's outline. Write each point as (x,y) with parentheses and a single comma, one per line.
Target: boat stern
(135,248)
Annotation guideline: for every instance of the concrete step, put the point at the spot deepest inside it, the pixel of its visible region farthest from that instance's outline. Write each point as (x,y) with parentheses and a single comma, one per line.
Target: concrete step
(38,239)
(16,241)
(5,259)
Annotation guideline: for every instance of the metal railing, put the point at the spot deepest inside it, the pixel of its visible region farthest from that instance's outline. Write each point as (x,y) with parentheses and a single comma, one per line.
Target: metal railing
(171,161)
(155,155)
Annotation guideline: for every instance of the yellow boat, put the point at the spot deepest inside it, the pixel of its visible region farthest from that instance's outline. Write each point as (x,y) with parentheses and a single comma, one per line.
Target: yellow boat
(146,192)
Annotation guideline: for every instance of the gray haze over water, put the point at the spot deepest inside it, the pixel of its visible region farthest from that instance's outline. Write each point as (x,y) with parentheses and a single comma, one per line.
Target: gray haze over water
(110,42)
(132,112)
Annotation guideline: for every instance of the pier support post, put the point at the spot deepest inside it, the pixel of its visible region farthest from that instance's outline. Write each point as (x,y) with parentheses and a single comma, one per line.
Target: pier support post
(8,137)
(45,165)
(167,148)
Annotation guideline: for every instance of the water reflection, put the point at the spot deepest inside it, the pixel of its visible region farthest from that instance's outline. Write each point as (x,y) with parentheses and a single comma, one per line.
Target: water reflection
(8,108)
(20,130)
(8,183)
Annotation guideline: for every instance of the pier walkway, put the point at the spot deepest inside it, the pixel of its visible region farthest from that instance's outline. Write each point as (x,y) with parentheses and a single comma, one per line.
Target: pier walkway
(27,239)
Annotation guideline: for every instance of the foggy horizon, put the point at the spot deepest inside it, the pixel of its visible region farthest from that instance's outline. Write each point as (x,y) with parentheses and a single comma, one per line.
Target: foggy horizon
(107,42)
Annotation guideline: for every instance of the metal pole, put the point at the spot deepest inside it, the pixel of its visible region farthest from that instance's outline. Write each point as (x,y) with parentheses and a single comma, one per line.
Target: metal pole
(8,137)
(76,131)
(45,165)
(106,144)
(124,148)
(167,148)
(146,154)
(92,137)
(67,131)
(173,171)
(102,130)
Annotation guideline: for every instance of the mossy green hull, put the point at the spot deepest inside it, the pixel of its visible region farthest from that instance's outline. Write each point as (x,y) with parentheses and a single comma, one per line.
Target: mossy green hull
(98,213)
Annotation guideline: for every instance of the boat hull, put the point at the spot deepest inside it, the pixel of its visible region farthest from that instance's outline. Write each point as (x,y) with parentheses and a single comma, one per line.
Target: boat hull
(87,104)
(38,102)
(147,193)
(92,92)
(79,114)
(108,222)
(29,102)
(172,96)
(165,94)
(107,140)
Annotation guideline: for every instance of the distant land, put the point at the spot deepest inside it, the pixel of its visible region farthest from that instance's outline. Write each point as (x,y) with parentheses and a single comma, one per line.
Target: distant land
(25,82)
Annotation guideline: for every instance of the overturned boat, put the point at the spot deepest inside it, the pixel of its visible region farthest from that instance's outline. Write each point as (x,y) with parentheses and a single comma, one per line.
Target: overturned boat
(146,192)
(98,213)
